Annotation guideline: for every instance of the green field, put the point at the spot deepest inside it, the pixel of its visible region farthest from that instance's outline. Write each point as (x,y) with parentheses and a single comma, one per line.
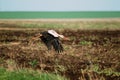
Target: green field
(25,74)
(37,15)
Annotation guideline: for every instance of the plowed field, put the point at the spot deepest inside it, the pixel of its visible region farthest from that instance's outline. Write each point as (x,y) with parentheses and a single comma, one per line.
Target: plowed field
(90,54)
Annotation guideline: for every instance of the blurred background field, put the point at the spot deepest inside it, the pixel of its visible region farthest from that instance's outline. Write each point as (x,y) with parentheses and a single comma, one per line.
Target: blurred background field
(83,24)
(58,14)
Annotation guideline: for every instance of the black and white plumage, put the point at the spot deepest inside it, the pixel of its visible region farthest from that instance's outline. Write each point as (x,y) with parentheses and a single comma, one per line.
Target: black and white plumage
(51,39)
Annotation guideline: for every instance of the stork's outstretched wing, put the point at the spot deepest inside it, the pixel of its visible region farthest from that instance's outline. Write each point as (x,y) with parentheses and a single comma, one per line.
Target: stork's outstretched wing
(57,45)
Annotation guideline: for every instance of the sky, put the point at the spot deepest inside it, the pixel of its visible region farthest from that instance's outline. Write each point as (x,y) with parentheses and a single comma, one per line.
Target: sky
(59,5)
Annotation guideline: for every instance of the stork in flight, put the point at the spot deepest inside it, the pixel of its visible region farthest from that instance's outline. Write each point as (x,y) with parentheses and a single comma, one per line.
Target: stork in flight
(51,39)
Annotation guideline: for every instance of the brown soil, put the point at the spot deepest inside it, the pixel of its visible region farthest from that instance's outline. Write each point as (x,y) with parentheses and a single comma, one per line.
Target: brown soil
(86,48)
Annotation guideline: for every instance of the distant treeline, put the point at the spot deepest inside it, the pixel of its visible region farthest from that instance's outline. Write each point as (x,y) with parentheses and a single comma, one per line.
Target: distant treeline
(81,14)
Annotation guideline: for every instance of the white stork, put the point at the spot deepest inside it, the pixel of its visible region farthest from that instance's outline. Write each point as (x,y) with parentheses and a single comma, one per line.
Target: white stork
(51,39)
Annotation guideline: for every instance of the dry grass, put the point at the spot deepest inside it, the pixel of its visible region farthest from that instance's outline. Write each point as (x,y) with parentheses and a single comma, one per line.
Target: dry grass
(83,24)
